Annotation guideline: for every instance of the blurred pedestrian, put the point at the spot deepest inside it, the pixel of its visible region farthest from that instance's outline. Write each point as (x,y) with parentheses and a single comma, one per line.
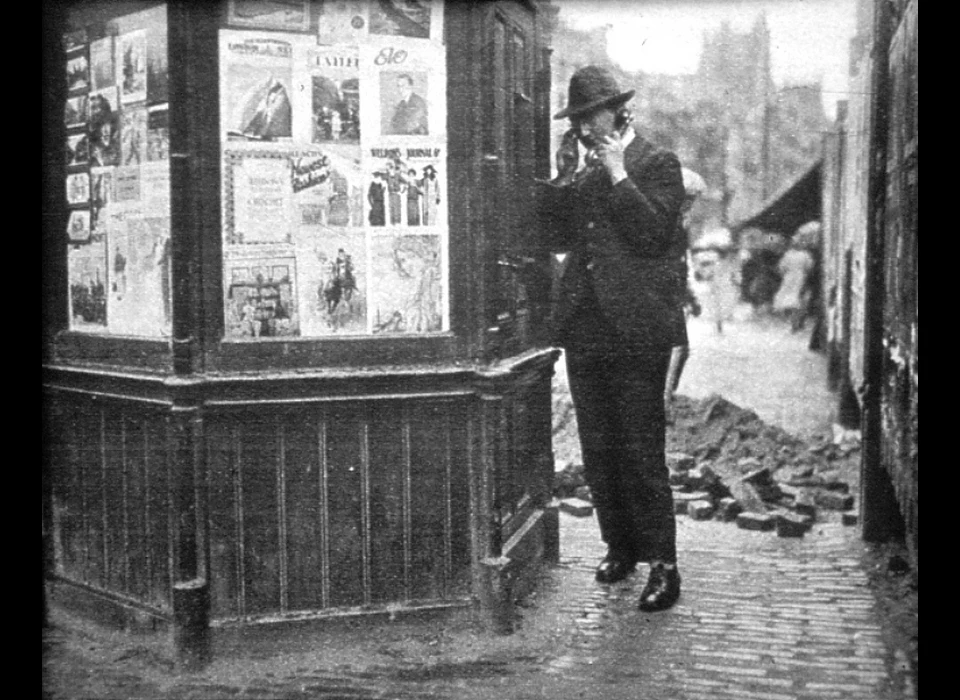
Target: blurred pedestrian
(693,186)
(793,298)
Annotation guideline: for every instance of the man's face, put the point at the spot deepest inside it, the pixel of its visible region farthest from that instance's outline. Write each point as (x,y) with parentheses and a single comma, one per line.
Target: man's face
(405,88)
(594,126)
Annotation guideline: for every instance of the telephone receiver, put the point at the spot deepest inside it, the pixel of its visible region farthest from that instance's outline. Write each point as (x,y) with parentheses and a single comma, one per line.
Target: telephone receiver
(622,120)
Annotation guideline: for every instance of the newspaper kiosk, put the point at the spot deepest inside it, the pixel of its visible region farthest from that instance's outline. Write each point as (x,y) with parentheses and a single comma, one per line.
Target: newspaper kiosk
(291,357)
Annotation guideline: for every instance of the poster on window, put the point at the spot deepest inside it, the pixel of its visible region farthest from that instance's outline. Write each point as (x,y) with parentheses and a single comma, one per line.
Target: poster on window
(327,190)
(158,134)
(406,290)
(103,68)
(342,21)
(78,189)
(334,87)
(132,58)
(88,285)
(138,258)
(256,83)
(76,111)
(258,199)
(154,22)
(403,89)
(289,15)
(78,149)
(78,73)
(405,186)
(403,18)
(101,195)
(133,135)
(78,225)
(261,299)
(333,282)
(105,128)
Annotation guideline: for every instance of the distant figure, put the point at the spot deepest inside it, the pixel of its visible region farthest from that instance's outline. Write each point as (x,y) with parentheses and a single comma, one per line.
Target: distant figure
(793,297)
(718,267)
(410,114)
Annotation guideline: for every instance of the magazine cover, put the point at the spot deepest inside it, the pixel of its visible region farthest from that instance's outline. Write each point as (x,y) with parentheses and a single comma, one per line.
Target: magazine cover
(256,80)
(138,258)
(260,297)
(342,21)
(258,198)
(132,58)
(405,186)
(133,139)
(407,18)
(88,284)
(334,86)
(406,290)
(78,189)
(327,190)
(103,67)
(332,268)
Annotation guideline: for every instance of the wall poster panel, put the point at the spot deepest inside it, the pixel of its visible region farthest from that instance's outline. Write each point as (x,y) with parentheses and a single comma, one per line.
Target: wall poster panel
(117,183)
(334,170)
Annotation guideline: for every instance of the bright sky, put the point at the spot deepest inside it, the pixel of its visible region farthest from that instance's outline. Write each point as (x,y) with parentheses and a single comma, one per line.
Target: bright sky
(809,38)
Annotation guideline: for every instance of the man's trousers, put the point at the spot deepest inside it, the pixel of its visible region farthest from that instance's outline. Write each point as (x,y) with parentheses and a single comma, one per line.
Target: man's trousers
(618,396)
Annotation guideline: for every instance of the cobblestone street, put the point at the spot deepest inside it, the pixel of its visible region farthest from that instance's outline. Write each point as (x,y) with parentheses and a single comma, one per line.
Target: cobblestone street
(761,617)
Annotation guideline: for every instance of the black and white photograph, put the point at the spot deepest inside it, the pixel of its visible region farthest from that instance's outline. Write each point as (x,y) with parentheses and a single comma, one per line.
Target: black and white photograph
(406,18)
(404,106)
(527,350)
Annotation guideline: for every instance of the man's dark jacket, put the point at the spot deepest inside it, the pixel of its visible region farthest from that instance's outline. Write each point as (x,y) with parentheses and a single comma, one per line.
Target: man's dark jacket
(626,239)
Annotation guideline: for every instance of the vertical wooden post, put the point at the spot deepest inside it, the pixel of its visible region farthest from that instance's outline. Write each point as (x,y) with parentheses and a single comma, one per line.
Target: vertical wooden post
(194,221)
(878,502)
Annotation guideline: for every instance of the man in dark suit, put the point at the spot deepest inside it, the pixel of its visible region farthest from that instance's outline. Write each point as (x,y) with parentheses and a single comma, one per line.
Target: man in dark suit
(410,114)
(617,313)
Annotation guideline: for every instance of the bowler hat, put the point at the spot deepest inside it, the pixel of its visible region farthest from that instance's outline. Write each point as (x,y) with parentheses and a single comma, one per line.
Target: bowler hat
(591,88)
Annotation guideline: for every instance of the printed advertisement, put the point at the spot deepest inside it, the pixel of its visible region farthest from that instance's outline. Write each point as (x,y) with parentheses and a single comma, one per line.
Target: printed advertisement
(88,285)
(342,21)
(76,111)
(104,128)
(258,199)
(406,291)
(333,282)
(78,189)
(261,298)
(403,89)
(101,195)
(327,190)
(132,55)
(158,134)
(290,15)
(139,298)
(133,138)
(103,67)
(255,88)
(78,73)
(405,186)
(78,225)
(407,18)
(78,149)
(334,86)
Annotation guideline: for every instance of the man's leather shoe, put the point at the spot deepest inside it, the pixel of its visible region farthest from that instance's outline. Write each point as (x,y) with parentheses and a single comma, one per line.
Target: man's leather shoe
(662,589)
(613,569)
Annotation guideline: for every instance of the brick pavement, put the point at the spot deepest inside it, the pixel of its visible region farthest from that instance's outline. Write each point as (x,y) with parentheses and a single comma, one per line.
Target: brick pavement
(761,618)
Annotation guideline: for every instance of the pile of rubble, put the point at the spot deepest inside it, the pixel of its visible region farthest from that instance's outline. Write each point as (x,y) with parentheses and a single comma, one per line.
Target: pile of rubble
(727,464)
